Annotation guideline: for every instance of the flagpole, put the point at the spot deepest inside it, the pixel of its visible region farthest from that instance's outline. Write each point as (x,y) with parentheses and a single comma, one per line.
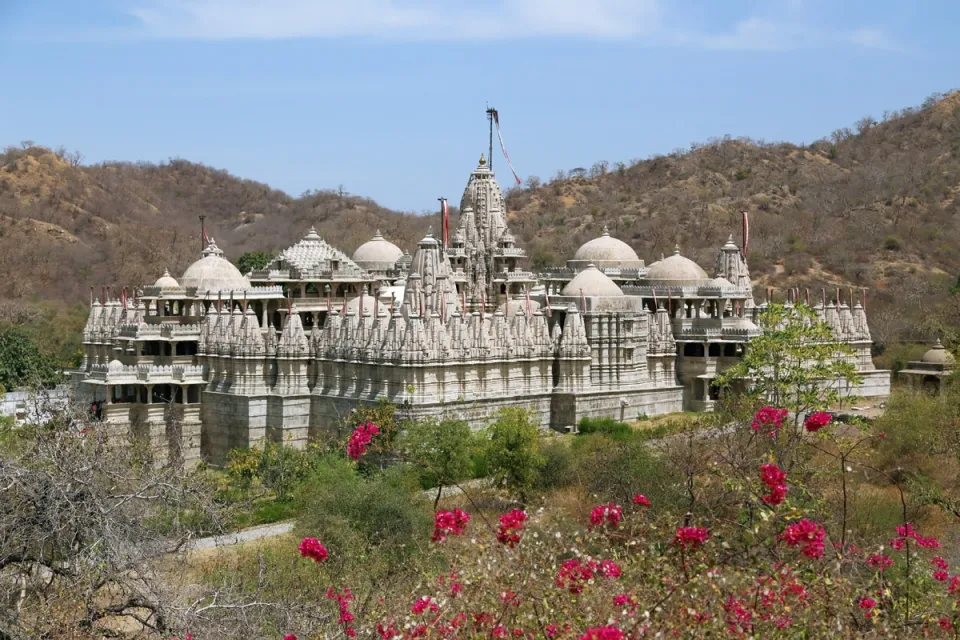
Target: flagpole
(490,115)
(203,233)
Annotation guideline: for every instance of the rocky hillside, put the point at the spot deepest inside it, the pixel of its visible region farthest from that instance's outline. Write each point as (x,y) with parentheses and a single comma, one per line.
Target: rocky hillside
(873,206)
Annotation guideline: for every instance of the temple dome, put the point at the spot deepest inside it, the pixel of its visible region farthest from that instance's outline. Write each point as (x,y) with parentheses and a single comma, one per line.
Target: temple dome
(938,355)
(213,272)
(592,282)
(166,281)
(606,249)
(676,270)
(115,366)
(377,250)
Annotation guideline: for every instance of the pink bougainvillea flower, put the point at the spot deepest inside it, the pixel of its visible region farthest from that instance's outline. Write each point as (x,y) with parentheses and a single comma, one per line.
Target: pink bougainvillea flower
(511,524)
(940,575)
(311,548)
(573,575)
(610,569)
(449,523)
(945,623)
(880,562)
(388,632)
(609,514)
(954,587)
(772,476)
(691,538)
(360,438)
(906,531)
(603,633)
(343,602)
(641,500)
(289,636)
(424,604)
(867,604)
(817,421)
(770,418)
(807,535)
(939,563)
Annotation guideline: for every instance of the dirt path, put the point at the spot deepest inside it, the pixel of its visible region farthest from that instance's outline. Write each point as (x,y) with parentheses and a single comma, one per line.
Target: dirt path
(244,535)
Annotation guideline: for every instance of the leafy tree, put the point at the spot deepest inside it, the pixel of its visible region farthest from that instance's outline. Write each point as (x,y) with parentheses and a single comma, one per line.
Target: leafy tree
(253,260)
(439,450)
(514,450)
(22,362)
(795,364)
(279,468)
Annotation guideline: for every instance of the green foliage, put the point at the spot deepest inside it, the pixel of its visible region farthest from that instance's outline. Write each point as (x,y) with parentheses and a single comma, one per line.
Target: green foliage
(514,450)
(608,426)
(919,426)
(893,243)
(618,469)
(440,451)
(742,174)
(277,467)
(23,363)
(253,260)
(795,364)
(376,521)
(559,462)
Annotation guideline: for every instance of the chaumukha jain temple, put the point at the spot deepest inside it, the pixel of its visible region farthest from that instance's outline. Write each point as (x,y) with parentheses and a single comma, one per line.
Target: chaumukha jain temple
(459,329)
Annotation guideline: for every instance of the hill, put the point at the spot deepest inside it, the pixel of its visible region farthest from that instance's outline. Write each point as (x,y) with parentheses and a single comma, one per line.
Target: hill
(874,206)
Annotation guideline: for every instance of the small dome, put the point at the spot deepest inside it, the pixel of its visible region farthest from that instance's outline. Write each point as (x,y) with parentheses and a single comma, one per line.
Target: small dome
(723,283)
(213,272)
(606,249)
(938,355)
(592,282)
(377,250)
(115,366)
(511,308)
(677,270)
(353,306)
(166,281)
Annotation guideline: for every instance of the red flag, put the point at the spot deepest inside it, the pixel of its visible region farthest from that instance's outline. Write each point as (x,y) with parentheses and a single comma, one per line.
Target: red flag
(746,233)
(503,148)
(445,211)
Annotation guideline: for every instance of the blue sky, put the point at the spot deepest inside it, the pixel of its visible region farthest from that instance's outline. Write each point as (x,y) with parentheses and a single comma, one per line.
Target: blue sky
(387,97)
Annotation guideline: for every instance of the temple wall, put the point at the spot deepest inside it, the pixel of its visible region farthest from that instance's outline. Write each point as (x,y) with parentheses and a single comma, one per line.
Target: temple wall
(619,404)
(231,421)
(288,419)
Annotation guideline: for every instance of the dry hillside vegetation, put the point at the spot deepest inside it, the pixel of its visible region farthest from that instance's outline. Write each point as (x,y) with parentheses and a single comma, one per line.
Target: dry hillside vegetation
(872,206)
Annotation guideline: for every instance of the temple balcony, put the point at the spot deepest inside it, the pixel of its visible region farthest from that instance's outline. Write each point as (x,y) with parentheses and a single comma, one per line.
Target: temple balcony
(117,374)
(706,329)
(663,292)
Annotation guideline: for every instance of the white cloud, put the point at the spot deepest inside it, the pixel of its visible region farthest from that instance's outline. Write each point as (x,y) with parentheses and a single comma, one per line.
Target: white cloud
(641,21)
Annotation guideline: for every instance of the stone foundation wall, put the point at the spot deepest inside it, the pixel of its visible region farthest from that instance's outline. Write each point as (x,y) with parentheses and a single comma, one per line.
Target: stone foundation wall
(231,421)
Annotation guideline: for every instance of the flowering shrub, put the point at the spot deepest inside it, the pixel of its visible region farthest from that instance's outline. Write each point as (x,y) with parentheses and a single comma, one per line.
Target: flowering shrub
(816,421)
(511,523)
(807,535)
(770,418)
(691,538)
(775,479)
(609,514)
(360,438)
(311,548)
(447,523)
(346,619)
(880,562)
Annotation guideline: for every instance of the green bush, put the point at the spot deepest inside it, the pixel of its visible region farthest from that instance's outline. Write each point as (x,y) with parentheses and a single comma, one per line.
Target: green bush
(893,243)
(618,469)
(514,450)
(607,426)
(558,468)
(378,521)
